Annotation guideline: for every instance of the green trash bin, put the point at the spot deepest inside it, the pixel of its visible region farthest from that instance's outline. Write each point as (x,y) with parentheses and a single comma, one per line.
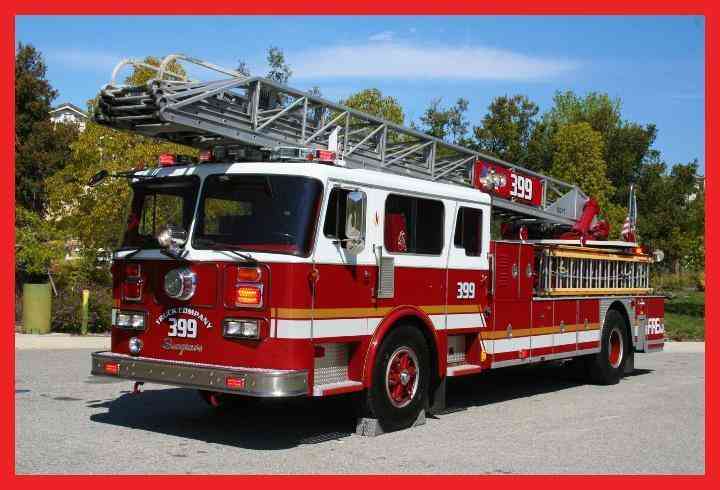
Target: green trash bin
(36,303)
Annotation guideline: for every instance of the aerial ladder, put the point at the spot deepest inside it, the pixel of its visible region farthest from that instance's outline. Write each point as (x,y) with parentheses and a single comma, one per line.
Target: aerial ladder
(256,112)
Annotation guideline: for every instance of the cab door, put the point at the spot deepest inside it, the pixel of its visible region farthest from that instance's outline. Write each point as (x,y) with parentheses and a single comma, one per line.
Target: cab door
(468,280)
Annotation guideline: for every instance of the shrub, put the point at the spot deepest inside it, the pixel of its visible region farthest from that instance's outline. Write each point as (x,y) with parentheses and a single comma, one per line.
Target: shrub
(668,281)
(71,277)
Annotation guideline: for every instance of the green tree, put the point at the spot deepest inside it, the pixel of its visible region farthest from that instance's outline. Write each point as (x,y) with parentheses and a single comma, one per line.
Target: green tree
(41,146)
(96,215)
(141,75)
(373,102)
(33,92)
(626,145)
(671,208)
(37,245)
(578,158)
(507,128)
(447,123)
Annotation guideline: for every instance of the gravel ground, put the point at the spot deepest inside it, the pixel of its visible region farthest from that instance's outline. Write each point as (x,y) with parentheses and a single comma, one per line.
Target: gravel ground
(519,420)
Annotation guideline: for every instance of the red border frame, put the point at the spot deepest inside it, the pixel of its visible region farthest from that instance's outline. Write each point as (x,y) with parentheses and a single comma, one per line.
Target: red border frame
(323,7)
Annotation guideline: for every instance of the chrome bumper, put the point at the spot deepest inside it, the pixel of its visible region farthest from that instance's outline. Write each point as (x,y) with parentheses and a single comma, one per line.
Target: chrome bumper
(244,381)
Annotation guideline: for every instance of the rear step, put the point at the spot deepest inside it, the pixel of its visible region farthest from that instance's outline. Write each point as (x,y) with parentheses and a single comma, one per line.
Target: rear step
(337,388)
(463,370)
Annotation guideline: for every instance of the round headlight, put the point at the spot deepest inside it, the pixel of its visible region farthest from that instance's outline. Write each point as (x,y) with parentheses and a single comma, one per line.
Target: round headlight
(135,346)
(180,283)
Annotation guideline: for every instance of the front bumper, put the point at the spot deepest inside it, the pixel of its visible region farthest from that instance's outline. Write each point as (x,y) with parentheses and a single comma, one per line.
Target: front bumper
(243,381)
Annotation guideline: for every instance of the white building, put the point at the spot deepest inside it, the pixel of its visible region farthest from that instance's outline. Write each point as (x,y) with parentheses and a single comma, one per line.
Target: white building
(69,113)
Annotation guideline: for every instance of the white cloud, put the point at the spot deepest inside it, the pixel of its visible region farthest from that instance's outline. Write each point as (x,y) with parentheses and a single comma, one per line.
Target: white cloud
(84,59)
(382,36)
(403,60)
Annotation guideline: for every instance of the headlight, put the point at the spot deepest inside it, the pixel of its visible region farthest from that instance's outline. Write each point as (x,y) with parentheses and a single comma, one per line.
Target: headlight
(135,346)
(241,328)
(180,283)
(134,320)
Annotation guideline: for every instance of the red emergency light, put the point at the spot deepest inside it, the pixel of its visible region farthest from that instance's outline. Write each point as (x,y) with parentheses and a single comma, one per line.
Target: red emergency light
(166,160)
(205,156)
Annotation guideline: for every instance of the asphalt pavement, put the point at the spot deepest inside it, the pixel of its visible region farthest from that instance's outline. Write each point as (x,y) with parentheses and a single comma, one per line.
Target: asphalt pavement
(540,419)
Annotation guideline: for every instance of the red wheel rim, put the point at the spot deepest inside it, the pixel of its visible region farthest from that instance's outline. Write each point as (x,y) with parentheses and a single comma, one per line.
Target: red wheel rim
(401,377)
(615,348)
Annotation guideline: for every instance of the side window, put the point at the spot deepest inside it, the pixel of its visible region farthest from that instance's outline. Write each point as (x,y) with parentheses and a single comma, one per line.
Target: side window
(336,215)
(413,225)
(468,231)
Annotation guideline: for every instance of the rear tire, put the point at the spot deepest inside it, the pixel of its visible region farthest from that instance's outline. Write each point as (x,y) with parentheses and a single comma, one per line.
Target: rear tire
(400,379)
(608,366)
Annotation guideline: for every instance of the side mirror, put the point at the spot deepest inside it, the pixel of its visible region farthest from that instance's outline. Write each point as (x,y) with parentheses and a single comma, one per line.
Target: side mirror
(171,237)
(355,221)
(97,178)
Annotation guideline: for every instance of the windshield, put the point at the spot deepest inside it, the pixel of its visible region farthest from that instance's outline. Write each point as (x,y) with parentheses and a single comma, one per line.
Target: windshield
(263,213)
(156,203)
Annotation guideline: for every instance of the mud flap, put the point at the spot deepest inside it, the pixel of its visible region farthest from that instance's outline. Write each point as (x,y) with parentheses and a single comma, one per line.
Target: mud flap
(650,328)
(640,334)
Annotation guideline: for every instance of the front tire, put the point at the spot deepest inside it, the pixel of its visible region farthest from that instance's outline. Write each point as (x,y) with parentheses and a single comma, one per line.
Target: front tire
(607,366)
(400,379)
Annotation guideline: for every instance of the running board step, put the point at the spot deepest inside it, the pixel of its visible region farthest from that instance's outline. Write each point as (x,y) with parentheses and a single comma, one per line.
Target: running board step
(463,370)
(337,388)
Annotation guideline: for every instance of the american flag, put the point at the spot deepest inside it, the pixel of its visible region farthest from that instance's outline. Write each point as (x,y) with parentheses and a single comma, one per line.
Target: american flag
(629,226)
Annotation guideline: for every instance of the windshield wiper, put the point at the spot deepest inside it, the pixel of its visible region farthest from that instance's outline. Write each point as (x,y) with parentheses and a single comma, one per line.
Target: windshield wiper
(226,247)
(245,256)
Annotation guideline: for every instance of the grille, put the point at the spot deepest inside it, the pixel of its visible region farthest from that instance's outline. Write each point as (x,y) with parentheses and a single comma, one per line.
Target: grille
(386,278)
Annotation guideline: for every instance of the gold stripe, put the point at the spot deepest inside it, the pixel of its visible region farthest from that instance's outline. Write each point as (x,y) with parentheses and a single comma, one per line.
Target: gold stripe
(322,313)
(528,332)
(330,313)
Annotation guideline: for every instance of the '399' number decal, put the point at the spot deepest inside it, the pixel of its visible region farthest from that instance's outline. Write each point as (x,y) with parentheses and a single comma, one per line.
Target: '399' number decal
(466,290)
(183,327)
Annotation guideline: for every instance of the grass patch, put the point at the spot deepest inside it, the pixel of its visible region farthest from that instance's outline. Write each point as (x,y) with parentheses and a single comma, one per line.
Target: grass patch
(689,303)
(684,327)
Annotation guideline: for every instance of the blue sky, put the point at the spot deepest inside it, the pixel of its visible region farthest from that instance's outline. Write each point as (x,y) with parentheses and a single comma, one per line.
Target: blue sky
(654,64)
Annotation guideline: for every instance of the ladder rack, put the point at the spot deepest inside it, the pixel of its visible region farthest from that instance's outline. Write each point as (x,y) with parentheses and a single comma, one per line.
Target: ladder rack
(256,112)
(567,270)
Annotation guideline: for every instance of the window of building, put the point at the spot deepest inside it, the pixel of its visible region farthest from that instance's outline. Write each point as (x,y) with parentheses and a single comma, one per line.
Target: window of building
(413,225)
(468,231)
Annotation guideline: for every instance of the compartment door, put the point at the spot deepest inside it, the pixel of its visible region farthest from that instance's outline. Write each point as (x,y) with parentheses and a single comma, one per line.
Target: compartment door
(510,312)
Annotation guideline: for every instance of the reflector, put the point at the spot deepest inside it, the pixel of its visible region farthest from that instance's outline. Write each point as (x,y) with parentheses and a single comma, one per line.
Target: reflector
(235,383)
(111,368)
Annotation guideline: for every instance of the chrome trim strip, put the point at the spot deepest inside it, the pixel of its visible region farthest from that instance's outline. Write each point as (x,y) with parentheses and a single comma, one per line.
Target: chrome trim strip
(258,382)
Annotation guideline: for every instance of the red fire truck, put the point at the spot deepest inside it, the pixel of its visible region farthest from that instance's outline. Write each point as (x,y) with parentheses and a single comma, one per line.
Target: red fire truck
(312,250)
